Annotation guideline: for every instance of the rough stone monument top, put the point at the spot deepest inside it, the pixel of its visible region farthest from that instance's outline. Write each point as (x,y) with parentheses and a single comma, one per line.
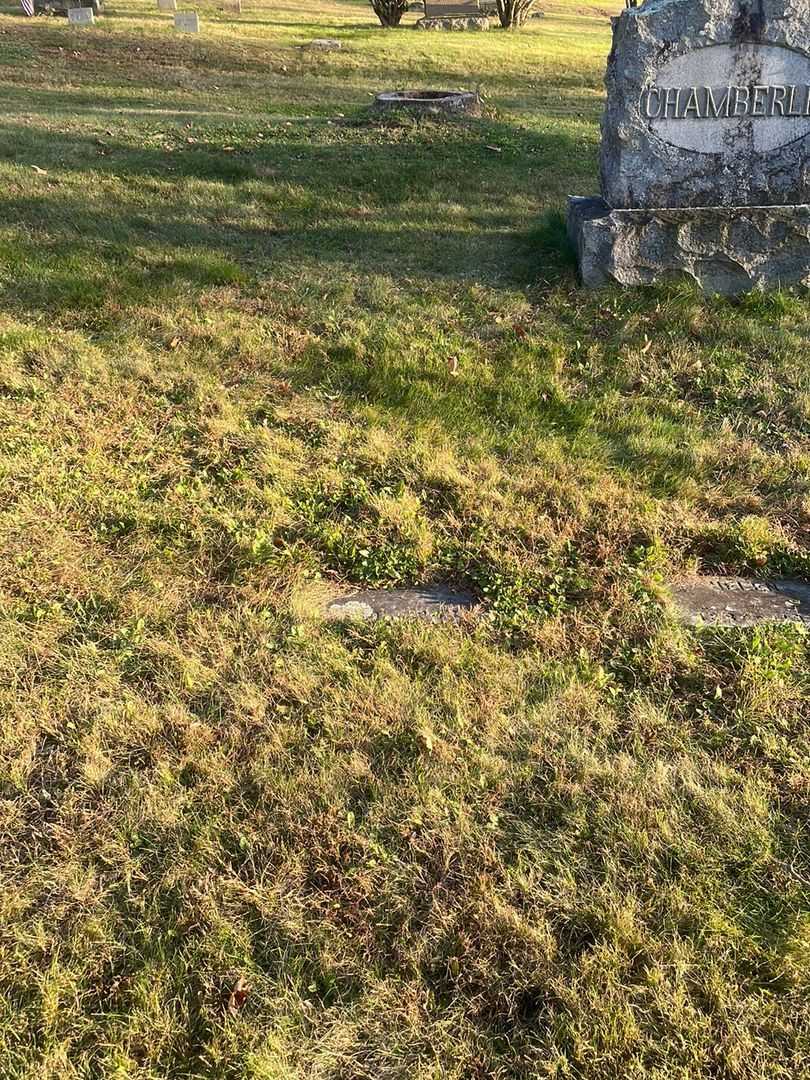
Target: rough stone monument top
(705,159)
(708,104)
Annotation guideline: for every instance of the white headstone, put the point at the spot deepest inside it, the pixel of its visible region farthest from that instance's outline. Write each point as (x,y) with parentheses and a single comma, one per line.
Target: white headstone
(81,16)
(167,5)
(187,21)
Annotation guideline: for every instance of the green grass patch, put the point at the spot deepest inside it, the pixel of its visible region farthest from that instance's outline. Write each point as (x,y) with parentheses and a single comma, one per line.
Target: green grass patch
(256,347)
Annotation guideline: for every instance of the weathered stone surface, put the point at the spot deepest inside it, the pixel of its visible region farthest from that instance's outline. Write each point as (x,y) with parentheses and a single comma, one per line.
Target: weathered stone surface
(430,602)
(727,250)
(324,45)
(431,102)
(724,601)
(662,146)
(455,22)
(167,5)
(188,22)
(81,16)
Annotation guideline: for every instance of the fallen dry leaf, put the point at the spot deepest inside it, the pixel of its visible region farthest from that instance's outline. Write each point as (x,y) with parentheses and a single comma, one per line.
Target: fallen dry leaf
(238,995)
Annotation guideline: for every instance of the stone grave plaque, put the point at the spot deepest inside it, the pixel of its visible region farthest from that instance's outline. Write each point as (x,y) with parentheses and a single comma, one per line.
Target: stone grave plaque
(324,45)
(167,5)
(705,156)
(725,601)
(81,16)
(429,602)
(188,22)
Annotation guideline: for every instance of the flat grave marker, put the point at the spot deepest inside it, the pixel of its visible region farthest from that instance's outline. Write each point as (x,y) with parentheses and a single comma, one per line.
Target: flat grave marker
(429,602)
(324,45)
(727,601)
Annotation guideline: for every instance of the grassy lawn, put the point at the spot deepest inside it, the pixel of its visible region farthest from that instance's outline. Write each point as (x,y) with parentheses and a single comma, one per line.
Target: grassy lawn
(256,349)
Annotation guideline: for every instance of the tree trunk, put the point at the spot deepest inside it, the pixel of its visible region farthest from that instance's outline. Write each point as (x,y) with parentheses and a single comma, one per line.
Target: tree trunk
(514,13)
(390,12)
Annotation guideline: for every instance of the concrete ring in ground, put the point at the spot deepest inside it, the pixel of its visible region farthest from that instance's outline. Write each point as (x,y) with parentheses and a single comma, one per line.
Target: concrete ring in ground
(428,102)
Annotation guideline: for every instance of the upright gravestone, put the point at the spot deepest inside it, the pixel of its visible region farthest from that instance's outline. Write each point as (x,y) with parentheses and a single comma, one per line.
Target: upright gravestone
(187,21)
(167,5)
(81,16)
(705,158)
(453,15)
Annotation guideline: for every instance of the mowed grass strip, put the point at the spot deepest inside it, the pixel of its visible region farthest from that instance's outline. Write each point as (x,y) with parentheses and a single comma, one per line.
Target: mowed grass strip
(257,348)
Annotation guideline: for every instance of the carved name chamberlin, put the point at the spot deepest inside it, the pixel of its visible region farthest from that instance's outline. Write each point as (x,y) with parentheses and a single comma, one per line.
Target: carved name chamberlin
(726,102)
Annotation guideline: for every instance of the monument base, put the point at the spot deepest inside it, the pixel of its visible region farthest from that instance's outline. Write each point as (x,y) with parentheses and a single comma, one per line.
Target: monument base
(726,250)
(455,22)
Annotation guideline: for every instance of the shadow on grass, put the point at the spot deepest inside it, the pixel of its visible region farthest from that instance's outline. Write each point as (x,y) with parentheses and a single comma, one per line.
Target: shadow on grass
(419,204)
(116,224)
(426,200)
(548,244)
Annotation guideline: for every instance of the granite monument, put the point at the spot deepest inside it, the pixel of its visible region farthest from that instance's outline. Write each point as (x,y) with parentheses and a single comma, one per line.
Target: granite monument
(453,15)
(705,156)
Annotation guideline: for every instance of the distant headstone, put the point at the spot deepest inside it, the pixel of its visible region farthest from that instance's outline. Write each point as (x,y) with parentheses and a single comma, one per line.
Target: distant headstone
(167,5)
(81,16)
(187,21)
(725,601)
(453,15)
(234,7)
(705,158)
(437,9)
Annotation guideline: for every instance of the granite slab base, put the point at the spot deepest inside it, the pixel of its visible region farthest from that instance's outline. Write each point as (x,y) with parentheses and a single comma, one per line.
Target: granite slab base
(454,22)
(427,602)
(726,249)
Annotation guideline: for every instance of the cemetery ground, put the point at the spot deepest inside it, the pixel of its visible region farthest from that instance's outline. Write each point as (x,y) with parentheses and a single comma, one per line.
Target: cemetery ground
(257,348)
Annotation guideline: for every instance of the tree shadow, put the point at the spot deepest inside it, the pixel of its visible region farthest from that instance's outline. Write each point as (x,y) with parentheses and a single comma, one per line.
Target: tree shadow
(427,200)
(421,206)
